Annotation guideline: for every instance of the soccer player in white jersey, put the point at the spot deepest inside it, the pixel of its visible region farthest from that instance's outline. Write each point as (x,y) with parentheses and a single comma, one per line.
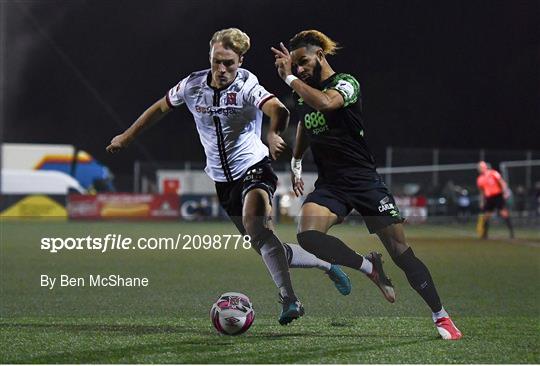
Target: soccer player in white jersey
(227,103)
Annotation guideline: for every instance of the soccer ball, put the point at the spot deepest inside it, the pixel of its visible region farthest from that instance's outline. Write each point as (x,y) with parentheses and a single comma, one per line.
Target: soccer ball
(232,313)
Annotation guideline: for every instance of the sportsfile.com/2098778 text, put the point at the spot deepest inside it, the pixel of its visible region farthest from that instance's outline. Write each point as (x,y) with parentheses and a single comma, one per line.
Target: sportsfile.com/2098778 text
(122,242)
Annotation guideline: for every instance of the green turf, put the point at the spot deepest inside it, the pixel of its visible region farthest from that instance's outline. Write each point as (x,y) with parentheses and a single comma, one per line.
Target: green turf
(490,287)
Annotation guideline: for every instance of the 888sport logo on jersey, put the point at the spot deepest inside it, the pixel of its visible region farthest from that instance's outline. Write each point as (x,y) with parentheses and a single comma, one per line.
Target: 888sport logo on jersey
(315,122)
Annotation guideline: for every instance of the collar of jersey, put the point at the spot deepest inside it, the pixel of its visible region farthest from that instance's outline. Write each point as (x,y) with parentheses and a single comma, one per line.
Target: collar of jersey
(209,81)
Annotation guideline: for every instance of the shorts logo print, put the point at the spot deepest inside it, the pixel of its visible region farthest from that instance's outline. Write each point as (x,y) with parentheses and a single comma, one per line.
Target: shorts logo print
(254,175)
(386,207)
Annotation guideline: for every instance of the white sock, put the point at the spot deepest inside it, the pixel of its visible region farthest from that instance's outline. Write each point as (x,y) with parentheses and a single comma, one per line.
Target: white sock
(440,314)
(273,255)
(367,266)
(301,258)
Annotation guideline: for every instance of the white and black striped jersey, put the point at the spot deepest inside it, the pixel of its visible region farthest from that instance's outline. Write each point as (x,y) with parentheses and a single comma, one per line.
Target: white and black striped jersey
(228,121)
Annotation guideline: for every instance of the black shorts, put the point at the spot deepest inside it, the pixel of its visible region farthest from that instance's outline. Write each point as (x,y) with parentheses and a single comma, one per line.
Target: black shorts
(231,194)
(367,195)
(494,203)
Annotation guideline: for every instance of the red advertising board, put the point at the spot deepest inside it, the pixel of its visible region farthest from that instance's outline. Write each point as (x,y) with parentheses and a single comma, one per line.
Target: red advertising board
(414,209)
(123,206)
(171,186)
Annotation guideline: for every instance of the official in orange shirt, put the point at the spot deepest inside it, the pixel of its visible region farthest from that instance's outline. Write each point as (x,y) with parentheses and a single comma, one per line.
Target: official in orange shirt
(493,195)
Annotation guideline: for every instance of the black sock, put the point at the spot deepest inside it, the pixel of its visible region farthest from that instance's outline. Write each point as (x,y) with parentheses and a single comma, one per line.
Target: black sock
(419,278)
(329,248)
(486,228)
(510,227)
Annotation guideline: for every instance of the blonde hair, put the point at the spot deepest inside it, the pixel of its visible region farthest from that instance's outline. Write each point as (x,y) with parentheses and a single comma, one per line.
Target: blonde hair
(232,38)
(314,37)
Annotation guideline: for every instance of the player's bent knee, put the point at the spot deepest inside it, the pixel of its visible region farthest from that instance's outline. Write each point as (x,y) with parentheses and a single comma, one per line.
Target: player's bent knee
(393,239)
(253,224)
(397,248)
(259,237)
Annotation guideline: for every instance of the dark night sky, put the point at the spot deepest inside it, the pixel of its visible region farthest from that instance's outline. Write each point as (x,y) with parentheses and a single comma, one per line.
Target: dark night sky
(454,74)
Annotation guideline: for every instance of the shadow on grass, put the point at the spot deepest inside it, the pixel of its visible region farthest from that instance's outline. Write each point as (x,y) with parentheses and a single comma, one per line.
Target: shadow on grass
(110,355)
(278,336)
(341,354)
(137,329)
(203,350)
(128,329)
(114,353)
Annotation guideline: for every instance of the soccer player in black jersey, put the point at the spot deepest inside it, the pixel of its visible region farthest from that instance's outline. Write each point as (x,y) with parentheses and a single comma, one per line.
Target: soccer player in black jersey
(330,111)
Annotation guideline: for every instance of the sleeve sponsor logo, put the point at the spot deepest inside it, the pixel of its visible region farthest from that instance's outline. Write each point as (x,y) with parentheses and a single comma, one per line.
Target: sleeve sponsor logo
(346,87)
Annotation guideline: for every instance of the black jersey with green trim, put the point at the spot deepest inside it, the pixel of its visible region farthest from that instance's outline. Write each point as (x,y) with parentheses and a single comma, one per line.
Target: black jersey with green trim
(337,137)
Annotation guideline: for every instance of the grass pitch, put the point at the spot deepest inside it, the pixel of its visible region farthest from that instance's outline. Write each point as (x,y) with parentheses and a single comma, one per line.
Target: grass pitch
(490,288)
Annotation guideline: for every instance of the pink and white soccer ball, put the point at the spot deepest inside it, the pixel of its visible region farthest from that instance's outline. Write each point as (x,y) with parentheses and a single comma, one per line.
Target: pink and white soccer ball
(232,313)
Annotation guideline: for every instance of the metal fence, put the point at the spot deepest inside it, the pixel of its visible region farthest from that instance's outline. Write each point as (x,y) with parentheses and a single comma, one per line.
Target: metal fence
(446,177)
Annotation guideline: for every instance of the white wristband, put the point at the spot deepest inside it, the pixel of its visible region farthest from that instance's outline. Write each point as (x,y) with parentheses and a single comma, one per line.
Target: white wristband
(289,79)
(296,167)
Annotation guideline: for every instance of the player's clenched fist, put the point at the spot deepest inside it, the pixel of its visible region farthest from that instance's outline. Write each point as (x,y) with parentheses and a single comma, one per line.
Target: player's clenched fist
(276,145)
(118,143)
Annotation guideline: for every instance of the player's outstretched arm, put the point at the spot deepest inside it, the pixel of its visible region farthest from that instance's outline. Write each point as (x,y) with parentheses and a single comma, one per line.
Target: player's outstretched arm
(300,146)
(153,114)
(279,119)
(326,101)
